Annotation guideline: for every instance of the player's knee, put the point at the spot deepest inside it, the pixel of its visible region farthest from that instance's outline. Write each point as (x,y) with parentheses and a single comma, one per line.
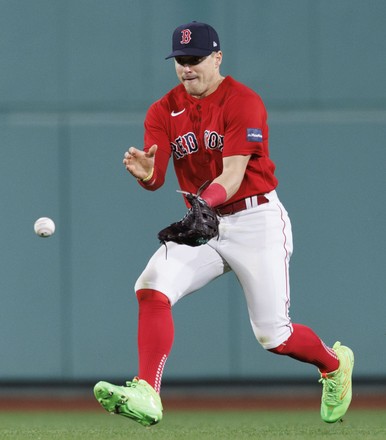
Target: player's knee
(151,295)
(272,337)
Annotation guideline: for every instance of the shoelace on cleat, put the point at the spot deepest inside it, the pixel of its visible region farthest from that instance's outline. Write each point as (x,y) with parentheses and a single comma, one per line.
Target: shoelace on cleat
(329,390)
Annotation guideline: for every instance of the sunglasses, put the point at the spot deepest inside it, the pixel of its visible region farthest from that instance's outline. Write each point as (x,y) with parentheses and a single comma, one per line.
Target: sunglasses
(189,60)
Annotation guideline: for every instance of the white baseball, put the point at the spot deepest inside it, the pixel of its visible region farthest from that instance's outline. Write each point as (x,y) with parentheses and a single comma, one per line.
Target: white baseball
(44,227)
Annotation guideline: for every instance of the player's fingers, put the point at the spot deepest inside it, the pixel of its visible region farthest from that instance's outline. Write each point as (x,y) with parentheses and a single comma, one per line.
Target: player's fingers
(129,169)
(152,151)
(130,152)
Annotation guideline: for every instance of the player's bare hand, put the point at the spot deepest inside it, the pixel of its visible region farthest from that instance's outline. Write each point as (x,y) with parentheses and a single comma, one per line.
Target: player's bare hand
(139,163)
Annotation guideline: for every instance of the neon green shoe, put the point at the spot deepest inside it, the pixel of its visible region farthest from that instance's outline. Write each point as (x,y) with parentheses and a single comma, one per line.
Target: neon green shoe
(337,386)
(137,400)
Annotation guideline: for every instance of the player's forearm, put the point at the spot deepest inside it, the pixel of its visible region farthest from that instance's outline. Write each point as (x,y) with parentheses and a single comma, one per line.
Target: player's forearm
(231,185)
(228,182)
(220,190)
(153,181)
(155,176)
(214,195)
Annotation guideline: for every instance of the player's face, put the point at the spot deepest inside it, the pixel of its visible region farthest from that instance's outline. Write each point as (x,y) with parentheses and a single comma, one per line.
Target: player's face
(199,75)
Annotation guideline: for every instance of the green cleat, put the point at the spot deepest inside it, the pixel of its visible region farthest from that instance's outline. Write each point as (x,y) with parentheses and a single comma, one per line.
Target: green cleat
(137,400)
(337,387)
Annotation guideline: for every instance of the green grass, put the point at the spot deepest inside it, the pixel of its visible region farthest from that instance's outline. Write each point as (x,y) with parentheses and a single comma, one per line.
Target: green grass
(232,425)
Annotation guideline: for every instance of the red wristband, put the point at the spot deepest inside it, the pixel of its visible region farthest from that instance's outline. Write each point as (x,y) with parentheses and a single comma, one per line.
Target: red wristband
(214,195)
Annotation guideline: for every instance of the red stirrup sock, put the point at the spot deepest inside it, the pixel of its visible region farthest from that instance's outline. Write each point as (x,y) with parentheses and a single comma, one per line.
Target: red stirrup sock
(155,335)
(305,346)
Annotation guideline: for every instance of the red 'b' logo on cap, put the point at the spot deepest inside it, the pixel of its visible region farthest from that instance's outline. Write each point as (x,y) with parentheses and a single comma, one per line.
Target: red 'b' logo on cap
(186,36)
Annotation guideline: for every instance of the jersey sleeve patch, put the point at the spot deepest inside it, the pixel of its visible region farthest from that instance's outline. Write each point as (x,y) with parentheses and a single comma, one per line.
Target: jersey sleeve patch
(254,135)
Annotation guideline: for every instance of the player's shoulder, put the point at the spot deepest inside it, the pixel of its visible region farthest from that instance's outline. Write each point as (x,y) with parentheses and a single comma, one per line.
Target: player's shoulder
(238,94)
(235,87)
(168,101)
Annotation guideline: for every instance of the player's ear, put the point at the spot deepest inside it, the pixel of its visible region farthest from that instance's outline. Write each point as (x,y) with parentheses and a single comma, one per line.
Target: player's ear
(218,58)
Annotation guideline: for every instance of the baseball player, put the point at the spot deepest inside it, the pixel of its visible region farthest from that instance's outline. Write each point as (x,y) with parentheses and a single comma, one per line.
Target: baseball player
(215,130)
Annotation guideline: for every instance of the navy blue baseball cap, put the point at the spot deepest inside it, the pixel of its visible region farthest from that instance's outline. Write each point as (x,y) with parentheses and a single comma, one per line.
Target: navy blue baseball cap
(194,39)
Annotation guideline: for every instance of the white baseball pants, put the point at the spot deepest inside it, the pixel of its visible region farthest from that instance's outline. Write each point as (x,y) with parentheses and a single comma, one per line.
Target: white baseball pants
(256,244)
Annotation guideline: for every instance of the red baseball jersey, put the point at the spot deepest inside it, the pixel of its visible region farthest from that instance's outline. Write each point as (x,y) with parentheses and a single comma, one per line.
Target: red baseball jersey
(198,133)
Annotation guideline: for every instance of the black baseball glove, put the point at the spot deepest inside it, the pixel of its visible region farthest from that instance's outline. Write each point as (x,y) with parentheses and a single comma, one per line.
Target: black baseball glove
(198,226)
